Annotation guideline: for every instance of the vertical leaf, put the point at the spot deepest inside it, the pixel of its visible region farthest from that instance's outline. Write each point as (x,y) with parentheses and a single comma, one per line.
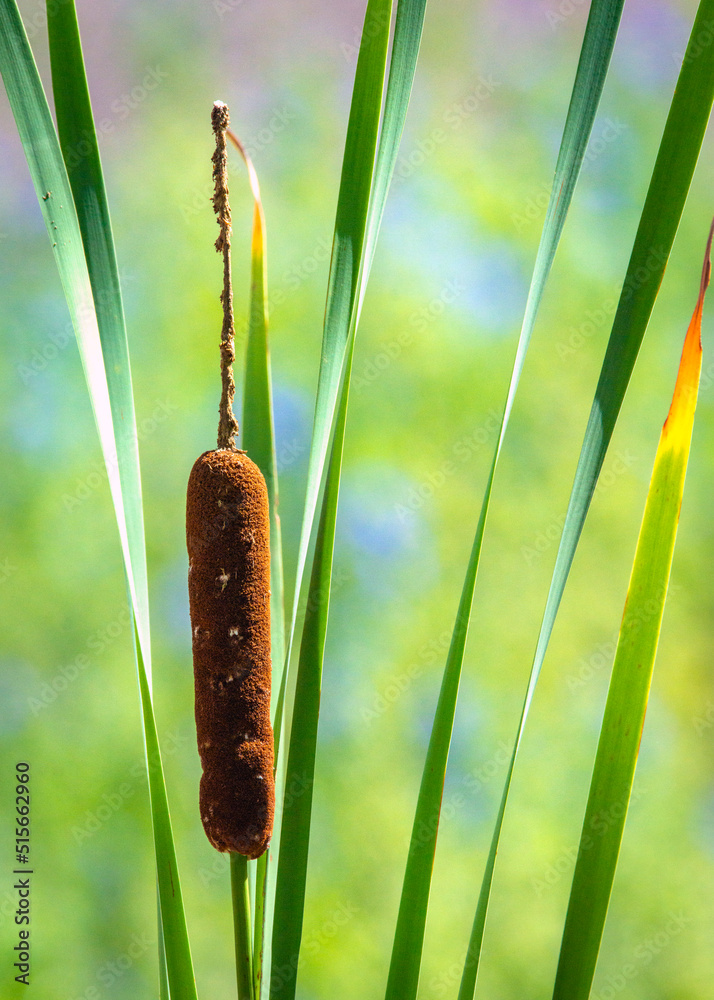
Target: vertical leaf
(91,288)
(258,439)
(592,69)
(676,159)
(617,752)
(300,772)
(360,209)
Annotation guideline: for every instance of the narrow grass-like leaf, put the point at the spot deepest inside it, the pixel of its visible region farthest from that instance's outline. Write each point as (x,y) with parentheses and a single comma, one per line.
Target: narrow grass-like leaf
(78,141)
(297,805)
(676,159)
(594,60)
(666,196)
(258,439)
(257,427)
(173,936)
(343,304)
(39,140)
(614,770)
(360,209)
(345,268)
(403,980)
(347,259)
(408,26)
(80,151)
(109,383)
(163,971)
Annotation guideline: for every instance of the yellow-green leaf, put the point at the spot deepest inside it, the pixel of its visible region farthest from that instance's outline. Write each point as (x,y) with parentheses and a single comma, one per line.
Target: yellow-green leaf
(621,731)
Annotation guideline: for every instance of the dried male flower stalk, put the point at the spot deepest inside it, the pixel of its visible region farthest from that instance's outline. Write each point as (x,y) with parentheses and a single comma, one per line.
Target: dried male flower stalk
(227,535)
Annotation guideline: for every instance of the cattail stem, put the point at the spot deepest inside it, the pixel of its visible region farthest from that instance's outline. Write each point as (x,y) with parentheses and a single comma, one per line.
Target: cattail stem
(240,892)
(227,423)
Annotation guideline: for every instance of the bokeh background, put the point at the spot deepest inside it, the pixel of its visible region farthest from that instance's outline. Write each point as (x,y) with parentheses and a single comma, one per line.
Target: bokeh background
(433,358)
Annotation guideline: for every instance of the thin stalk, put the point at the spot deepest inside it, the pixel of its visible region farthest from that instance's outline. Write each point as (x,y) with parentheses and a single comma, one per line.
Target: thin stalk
(227,425)
(261,884)
(240,897)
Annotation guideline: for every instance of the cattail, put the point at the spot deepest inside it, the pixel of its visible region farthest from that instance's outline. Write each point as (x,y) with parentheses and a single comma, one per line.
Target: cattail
(227,535)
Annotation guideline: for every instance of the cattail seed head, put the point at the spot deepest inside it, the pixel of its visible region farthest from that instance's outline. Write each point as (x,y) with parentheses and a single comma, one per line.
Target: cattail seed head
(227,535)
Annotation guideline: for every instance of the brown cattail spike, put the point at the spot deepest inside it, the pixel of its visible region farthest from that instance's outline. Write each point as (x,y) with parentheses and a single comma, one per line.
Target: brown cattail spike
(227,423)
(227,534)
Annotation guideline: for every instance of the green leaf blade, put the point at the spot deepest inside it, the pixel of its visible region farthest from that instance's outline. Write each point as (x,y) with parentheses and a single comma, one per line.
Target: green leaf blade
(345,268)
(592,69)
(360,209)
(300,771)
(100,336)
(676,160)
(258,439)
(78,141)
(405,964)
(346,262)
(618,748)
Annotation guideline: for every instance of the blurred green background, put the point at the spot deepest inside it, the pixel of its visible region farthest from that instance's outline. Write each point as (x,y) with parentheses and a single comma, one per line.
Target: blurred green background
(433,358)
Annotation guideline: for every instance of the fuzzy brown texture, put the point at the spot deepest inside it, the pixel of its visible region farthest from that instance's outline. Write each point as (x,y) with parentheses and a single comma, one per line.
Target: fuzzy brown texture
(227,534)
